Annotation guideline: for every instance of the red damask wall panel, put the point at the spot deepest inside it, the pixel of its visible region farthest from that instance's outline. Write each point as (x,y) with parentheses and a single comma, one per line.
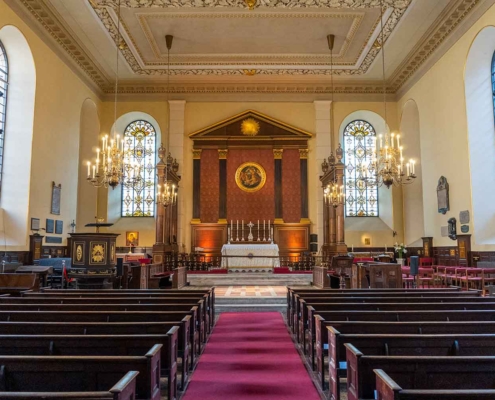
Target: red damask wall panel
(291,186)
(250,206)
(210,182)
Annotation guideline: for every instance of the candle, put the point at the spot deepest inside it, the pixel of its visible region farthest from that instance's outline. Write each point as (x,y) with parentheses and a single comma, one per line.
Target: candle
(237,227)
(268,226)
(94,171)
(407,169)
(89,169)
(231,225)
(352,248)
(258,227)
(243,227)
(263,227)
(412,166)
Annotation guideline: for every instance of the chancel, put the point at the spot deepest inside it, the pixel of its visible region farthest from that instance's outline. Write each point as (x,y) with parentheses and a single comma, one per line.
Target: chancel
(247,199)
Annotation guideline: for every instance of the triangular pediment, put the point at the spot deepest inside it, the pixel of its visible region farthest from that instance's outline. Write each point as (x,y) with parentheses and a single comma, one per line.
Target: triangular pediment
(233,128)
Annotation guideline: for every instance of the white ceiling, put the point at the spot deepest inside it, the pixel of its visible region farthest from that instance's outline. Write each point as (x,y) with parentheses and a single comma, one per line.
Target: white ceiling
(222,41)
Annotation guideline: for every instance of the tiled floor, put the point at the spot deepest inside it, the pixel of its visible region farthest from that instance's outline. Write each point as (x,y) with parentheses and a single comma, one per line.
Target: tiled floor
(250,291)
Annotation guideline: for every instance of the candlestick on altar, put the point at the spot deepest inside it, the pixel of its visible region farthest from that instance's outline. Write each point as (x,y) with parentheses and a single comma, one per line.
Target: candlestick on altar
(271,239)
(228,235)
(242,232)
(269,230)
(264,233)
(237,231)
(231,226)
(250,236)
(259,231)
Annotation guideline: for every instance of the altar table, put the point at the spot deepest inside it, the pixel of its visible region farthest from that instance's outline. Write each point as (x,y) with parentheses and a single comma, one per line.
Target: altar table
(250,257)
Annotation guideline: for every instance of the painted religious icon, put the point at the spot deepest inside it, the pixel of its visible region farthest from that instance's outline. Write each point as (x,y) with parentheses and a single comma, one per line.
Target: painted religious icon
(250,177)
(132,239)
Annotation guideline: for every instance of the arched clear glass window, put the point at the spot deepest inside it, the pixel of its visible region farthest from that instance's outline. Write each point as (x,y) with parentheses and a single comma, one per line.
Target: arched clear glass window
(4,82)
(140,148)
(361,194)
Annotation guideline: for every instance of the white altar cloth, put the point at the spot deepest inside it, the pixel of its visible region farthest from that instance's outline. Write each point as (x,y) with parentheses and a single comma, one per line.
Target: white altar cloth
(239,256)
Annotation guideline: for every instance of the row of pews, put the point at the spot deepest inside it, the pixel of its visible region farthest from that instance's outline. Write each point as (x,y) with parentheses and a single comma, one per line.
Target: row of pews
(100,344)
(397,344)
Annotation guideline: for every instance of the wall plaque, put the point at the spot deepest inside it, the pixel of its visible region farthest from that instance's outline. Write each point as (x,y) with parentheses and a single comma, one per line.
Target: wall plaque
(443,195)
(56,193)
(444,230)
(59,227)
(49,225)
(53,239)
(250,177)
(35,224)
(464,217)
(464,228)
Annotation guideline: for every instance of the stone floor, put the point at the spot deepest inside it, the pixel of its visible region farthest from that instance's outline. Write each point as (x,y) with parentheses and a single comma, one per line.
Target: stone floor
(250,291)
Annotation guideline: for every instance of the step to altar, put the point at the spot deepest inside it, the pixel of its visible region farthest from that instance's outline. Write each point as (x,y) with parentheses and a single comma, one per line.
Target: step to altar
(250,304)
(247,278)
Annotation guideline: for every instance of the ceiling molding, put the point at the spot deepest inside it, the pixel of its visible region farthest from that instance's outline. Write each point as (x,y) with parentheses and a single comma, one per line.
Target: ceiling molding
(43,16)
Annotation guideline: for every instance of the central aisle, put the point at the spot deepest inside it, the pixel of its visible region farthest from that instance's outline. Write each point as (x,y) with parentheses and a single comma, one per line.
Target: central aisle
(250,356)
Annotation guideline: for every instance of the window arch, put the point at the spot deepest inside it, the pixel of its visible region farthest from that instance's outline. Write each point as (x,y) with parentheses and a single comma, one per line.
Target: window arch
(4,81)
(361,196)
(140,148)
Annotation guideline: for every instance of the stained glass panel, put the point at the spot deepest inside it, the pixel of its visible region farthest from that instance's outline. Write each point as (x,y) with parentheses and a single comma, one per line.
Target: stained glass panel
(138,200)
(359,145)
(3,102)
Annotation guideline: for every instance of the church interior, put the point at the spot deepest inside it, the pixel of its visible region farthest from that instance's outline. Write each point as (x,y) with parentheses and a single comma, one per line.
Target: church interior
(247,199)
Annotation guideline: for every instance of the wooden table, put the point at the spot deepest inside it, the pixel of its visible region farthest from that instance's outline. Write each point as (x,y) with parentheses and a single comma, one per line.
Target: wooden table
(43,272)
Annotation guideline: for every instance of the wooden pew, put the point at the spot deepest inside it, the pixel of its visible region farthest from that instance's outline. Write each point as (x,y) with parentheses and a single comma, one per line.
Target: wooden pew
(302,319)
(99,345)
(15,284)
(317,353)
(388,389)
(111,328)
(124,389)
(400,345)
(90,373)
(423,372)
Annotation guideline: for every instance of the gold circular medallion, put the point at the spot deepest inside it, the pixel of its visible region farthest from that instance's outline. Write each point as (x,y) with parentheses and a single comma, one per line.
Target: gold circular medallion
(79,253)
(250,127)
(250,177)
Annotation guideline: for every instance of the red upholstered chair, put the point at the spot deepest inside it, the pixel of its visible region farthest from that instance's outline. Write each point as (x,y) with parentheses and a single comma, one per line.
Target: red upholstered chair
(472,278)
(444,275)
(425,261)
(488,278)
(425,275)
(407,279)
(458,274)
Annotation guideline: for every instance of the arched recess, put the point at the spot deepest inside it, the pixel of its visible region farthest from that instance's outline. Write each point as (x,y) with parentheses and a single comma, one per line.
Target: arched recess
(378,229)
(144,225)
(87,197)
(481,135)
(14,200)
(414,226)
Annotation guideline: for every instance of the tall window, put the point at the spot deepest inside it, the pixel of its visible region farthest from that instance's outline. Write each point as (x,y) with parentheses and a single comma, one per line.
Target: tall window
(3,102)
(493,81)
(361,195)
(140,148)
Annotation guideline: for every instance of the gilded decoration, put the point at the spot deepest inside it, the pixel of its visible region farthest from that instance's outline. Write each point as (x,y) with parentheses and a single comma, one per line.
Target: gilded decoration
(98,252)
(197,154)
(277,154)
(250,127)
(79,252)
(222,154)
(303,154)
(250,177)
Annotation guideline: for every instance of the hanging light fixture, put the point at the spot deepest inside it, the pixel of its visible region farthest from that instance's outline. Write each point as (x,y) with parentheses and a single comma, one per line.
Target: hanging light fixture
(387,165)
(110,167)
(167,194)
(333,195)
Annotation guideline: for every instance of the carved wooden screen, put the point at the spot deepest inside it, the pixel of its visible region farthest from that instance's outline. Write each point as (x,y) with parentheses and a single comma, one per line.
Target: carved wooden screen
(140,149)
(361,197)
(3,102)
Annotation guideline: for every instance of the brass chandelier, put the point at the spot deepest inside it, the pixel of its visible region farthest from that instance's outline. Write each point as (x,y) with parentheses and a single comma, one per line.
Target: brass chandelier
(111,167)
(387,165)
(167,191)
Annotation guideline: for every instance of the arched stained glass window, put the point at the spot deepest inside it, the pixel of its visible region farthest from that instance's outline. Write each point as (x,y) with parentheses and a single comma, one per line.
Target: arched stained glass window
(361,195)
(140,148)
(493,82)
(4,82)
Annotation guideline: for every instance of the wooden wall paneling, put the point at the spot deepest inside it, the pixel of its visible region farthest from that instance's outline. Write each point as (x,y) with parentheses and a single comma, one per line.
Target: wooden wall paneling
(292,238)
(486,256)
(464,250)
(210,237)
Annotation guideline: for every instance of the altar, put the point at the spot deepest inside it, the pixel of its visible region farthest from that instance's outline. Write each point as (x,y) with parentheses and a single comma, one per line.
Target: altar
(250,257)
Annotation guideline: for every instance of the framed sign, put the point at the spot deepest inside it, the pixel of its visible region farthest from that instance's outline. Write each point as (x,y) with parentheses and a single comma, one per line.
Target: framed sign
(35,224)
(53,239)
(56,193)
(250,177)
(59,227)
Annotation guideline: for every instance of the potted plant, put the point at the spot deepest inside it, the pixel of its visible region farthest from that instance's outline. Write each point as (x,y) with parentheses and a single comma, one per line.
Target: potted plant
(401,250)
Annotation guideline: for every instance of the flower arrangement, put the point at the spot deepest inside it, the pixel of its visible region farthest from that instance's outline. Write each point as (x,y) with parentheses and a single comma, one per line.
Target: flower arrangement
(400,249)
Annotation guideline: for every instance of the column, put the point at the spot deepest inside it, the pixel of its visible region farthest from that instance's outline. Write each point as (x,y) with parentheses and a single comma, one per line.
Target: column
(222,204)
(303,161)
(196,183)
(277,155)
(159,246)
(177,133)
(323,149)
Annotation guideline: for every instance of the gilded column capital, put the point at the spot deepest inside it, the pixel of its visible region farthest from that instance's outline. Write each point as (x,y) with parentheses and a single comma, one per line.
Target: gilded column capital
(222,154)
(277,154)
(197,154)
(303,154)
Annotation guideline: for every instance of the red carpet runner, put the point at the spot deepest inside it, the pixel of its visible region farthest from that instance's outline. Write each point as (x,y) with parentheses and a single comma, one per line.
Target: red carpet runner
(250,356)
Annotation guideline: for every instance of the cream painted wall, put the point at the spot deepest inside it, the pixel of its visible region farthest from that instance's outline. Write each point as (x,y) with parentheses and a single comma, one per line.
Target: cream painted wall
(55,157)
(440,97)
